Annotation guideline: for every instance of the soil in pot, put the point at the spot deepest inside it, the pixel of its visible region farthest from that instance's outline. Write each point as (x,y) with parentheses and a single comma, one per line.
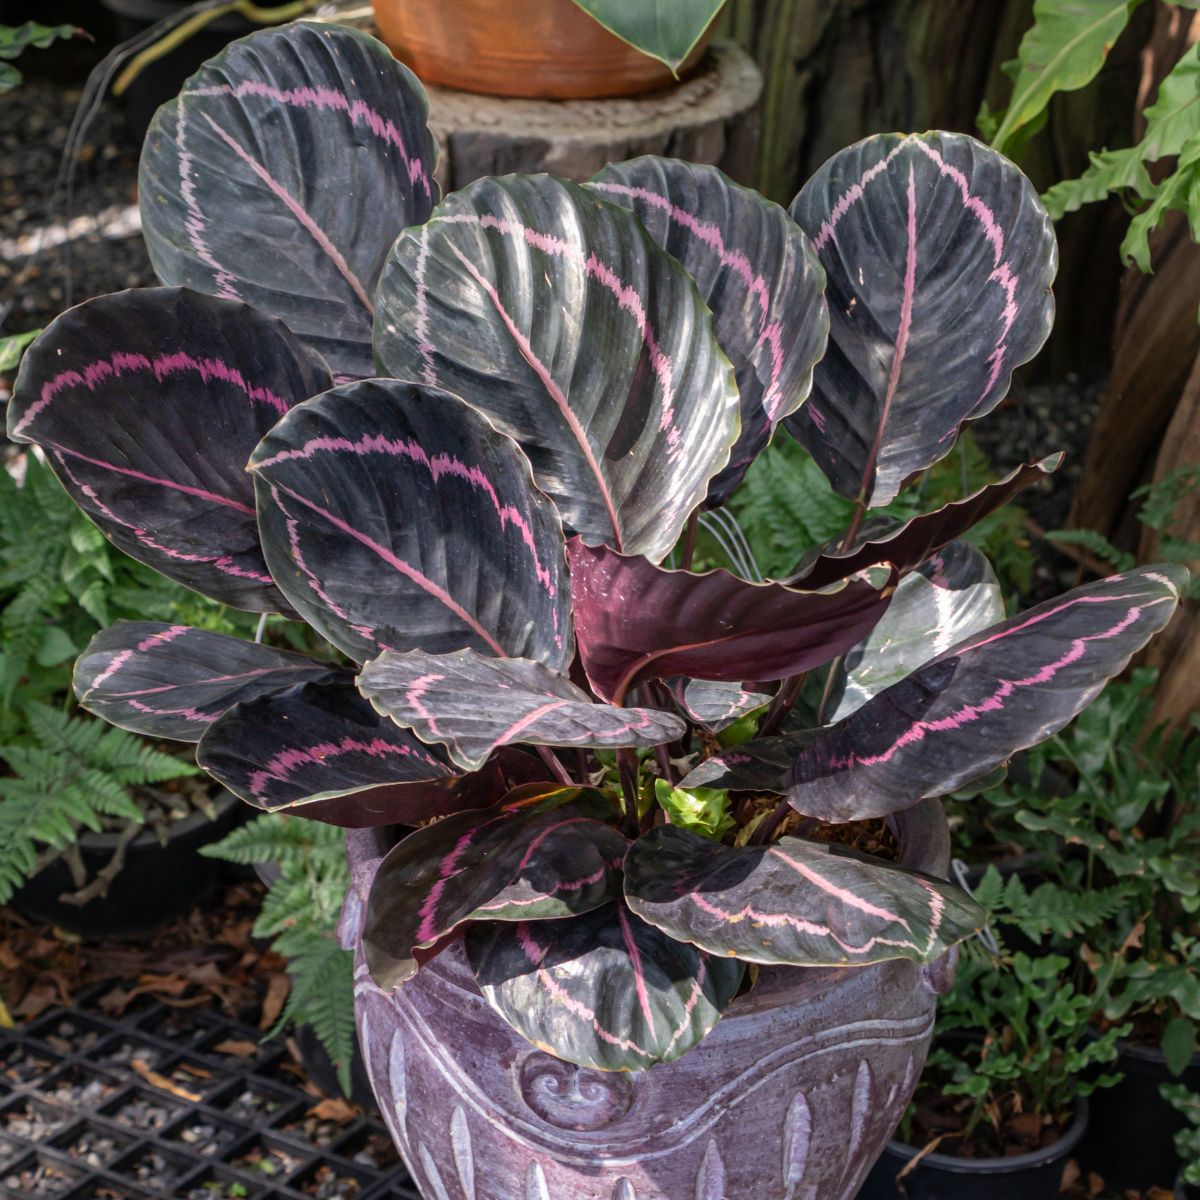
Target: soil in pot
(537,48)
(157,882)
(1034,1174)
(1131,1136)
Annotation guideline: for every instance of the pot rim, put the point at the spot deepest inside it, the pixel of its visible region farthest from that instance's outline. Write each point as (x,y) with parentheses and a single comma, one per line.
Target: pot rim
(1057,1149)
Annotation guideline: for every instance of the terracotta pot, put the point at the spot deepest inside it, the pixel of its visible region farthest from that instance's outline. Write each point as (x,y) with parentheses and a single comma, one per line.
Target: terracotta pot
(792,1096)
(539,48)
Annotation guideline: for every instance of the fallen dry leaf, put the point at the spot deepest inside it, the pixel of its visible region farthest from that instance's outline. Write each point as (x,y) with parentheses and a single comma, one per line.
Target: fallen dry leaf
(236,1047)
(154,1079)
(272,1005)
(35,1001)
(335,1109)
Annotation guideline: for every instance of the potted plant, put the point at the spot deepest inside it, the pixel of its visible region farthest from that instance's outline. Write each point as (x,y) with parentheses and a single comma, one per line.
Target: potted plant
(557,49)
(1003,1100)
(474,433)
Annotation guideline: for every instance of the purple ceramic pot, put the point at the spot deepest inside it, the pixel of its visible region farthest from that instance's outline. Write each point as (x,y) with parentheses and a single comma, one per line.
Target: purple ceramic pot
(791,1097)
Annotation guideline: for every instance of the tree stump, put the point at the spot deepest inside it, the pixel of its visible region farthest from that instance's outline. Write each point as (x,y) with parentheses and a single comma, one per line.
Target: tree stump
(712,117)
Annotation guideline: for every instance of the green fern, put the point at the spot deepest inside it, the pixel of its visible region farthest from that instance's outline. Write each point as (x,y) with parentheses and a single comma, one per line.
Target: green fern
(70,774)
(1097,544)
(300,914)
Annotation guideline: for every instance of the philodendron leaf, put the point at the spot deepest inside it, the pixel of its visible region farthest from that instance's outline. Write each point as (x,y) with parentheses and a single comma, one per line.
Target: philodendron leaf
(938,258)
(664,29)
(282,174)
(173,681)
(395,517)
(319,750)
(713,704)
(914,541)
(757,272)
(636,621)
(949,597)
(148,404)
(547,852)
(555,315)
(974,705)
(472,705)
(797,903)
(604,989)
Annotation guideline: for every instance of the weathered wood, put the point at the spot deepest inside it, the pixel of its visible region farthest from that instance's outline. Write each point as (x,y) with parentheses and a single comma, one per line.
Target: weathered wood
(710,118)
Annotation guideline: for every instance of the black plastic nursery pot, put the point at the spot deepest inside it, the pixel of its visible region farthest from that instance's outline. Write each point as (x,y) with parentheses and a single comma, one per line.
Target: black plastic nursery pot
(156,884)
(1131,1138)
(1033,1176)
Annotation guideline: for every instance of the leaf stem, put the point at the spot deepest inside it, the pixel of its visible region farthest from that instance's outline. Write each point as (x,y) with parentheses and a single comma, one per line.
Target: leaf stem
(555,764)
(627,766)
(689,541)
(766,831)
(860,511)
(784,702)
(825,693)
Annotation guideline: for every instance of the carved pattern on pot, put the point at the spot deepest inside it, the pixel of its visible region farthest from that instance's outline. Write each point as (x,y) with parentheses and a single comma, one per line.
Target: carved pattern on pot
(710,1182)
(572,1097)
(797,1137)
(464,1153)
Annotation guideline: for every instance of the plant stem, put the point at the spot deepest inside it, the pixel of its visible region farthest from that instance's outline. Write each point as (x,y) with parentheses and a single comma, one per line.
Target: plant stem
(860,511)
(689,541)
(555,764)
(827,690)
(766,831)
(627,765)
(784,702)
(662,756)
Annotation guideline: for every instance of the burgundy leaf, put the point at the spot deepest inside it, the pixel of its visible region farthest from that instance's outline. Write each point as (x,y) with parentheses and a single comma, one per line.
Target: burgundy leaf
(395,517)
(759,765)
(173,681)
(544,852)
(796,903)
(319,750)
(992,694)
(148,404)
(713,704)
(636,621)
(282,174)
(473,704)
(938,258)
(554,314)
(913,542)
(757,272)
(603,989)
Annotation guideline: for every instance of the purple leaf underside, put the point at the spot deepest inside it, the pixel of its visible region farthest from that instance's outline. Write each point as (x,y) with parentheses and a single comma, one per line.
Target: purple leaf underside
(757,272)
(713,704)
(795,903)
(938,258)
(174,681)
(148,404)
(635,621)
(282,174)
(394,517)
(973,706)
(545,853)
(472,705)
(604,989)
(625,414)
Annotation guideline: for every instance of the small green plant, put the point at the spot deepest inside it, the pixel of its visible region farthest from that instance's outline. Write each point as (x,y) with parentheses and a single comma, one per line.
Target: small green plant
(300,915)
(16,39)
(71,774)
(1187,1140)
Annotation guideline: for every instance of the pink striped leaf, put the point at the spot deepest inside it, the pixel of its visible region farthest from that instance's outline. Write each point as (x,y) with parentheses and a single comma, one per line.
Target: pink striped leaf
(938,258)
(952,595)
(319,750)
(970,708)
(555,315)
(713,704)
(635,621)
(757,272)
(544,852)
(174,681)
(282,174)
(797,903)
(148,404)
(472,705)
(395,517)
(604,989)
(758,765)
(910,544)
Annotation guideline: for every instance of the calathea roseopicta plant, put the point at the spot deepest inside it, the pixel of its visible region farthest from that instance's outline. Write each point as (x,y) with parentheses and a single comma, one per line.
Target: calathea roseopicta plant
(475,431)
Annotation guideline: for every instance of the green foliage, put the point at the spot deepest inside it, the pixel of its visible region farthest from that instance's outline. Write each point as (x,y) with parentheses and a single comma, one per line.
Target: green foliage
(300,915)
(13,346)
(16,39)
(701,810)
(1063,50)
(1187,1140)
(664,29)
(72,772)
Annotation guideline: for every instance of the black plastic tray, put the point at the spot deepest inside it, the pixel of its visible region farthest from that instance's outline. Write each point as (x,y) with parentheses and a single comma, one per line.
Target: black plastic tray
(242,1131)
